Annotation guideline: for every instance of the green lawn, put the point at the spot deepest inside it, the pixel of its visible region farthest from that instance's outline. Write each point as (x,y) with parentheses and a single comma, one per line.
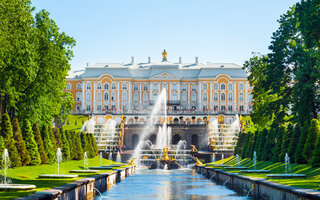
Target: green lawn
(312,173)
(29,175)
(75,122)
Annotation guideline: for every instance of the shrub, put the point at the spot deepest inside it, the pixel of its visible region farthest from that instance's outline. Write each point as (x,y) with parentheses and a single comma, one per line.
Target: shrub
(94,144)
(77,151)
(311,140)
(294,142)
(2,148)
(286,142)
(48,146)
(37,136)
(65,146)
(57,135)
(298,158)
(31,144)
(267,149)
(52,138)
(261,143)
(276,151)
(20,143)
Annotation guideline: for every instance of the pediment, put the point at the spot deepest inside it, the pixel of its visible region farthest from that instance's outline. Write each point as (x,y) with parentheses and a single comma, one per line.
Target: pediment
(165,76)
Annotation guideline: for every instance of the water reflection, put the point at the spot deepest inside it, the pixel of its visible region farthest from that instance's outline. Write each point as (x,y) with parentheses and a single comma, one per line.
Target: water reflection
(171,184)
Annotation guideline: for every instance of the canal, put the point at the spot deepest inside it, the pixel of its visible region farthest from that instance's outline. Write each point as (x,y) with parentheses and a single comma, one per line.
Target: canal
(181,184)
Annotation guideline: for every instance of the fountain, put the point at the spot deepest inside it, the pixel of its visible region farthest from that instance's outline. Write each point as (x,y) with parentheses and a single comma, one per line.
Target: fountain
(85,166)
(237,164)
(286,170)
(118,158)
(6,185)
(58,176)
(254,170)
(162,153)
(100,159)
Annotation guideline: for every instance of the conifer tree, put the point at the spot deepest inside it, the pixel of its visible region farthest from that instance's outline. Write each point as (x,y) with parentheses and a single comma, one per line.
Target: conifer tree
(65,146)
(52,138)
(285,142)
(57,135)
(311,140)
(246,145)
(37,136)
(239,145)
(267,149)
(7,134)
(276,151)
(48,145)
(255,143)
(2,147)
(94,144)
(31,144)
(250,146)
(90,151)
(84,142)
(68,135)
(262,142)
(315,162)
(298,158)
(19,143)
(294,142)
(77,150)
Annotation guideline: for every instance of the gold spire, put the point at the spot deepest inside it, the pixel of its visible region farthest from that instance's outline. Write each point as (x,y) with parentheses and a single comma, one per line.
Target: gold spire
(164,55)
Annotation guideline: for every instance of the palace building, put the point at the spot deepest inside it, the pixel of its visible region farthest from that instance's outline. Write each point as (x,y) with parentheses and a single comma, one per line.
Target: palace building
(109,88)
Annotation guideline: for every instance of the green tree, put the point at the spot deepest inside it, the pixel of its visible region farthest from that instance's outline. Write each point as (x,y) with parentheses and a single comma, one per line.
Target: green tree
(250,145)
(85,143)
(91,152)
(276,151)
(65,146)
(315,162)
(7,134)
(19,142)
(294,142)
(267,149)
(57,135)
(311,140)
(246,145)
(2,147)
(262,141)
(52,138)
(48,146)
(37,136)
(286,139)
(31,144)
(239,146)
(298,158)
(77,150)
(94,144)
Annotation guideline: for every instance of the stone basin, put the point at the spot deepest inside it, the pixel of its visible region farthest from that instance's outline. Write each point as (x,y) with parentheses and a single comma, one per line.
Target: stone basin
(217,165)
(254,171)
(100,168)
(58,176)
(236,167)
(84,171)
(15,187)
(112,165)
(286,176)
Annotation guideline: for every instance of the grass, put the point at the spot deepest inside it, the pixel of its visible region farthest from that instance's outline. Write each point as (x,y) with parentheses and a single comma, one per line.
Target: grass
(75,122)
(29,175)
(312,180)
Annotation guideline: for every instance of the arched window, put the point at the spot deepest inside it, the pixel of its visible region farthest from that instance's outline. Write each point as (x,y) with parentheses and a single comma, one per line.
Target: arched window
(223,96)
(79,86)
(106,86)
(124,97)
(193,87)
(88,86)
(174,96)
(155,96)
(88,97)
(223,86)
(241,97)
(240,86)
(135,87)
(135,97)
(145,97)
(215,86)
(205,86)
(113,86)
(230,96)
(99,87)
(78,97)
(99,96)
(106,96)
(98,107)
(205,97)
(174,87)
(165,86)
(230,86)
(145,87)
(113,96)
(88,107)
(184,97)
(193,97)
(215,97)
(69,86)
(124,86)
(184,87)
(230,108)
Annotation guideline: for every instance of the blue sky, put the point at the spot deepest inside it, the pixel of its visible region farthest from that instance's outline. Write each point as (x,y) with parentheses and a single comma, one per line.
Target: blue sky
(214,30)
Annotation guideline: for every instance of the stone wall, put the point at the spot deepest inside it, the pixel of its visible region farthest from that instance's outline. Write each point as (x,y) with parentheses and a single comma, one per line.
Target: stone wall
(84,188)
(259,188)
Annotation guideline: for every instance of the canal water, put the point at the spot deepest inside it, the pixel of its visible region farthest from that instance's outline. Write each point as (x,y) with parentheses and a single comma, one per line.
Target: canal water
(183,184)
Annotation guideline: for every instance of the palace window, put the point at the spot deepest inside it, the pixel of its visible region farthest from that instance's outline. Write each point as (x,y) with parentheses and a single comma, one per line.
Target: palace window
(215,108)
(99,96)
(215,97)
(174,87)
(165,86)
(230,96)
(184,97)
(223,96)
(113,96)
(99,87)
(135,97)
(124,97)
(205,86)
(223,86)
(174,96)
(193,97)
(250,98)
(113,86)
(88,108)
(184,88)
(145,97)
(99,107)
(145,87)
(88,86)
(241,108)
(124,86)
(124,108)
(106,107)
(215,86)
(193,88)
(205,97)
(106,86)
(230,86)
(79,86)
(106,96)
(88,97)
(68,86)
(223,108)
(155,96)
(240,86)
(78,97)
(230,108)
(241,97)
(135,87)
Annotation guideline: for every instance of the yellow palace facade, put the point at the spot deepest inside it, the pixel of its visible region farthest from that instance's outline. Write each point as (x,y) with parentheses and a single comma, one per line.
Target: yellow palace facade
(195,88)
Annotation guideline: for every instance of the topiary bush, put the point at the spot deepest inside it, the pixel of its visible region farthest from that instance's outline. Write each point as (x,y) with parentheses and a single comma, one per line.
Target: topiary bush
(20,143)
(31,144)
(37,136)
(48,146)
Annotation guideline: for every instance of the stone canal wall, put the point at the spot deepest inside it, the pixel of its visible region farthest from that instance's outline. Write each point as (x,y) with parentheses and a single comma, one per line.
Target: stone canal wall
(259,188)
(84,188)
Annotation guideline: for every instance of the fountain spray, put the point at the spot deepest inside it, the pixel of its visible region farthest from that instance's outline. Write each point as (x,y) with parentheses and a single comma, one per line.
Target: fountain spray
(6,164)
(59,158)
(85,161)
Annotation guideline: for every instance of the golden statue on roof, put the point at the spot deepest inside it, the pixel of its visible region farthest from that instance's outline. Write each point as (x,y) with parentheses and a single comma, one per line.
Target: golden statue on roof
(164,55)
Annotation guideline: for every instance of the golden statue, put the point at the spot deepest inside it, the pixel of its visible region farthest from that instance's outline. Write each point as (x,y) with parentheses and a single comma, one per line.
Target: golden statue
(198,162)
(164,55)
(132,161)
(165,156)
(211,143)
(89,117)
(194,149)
